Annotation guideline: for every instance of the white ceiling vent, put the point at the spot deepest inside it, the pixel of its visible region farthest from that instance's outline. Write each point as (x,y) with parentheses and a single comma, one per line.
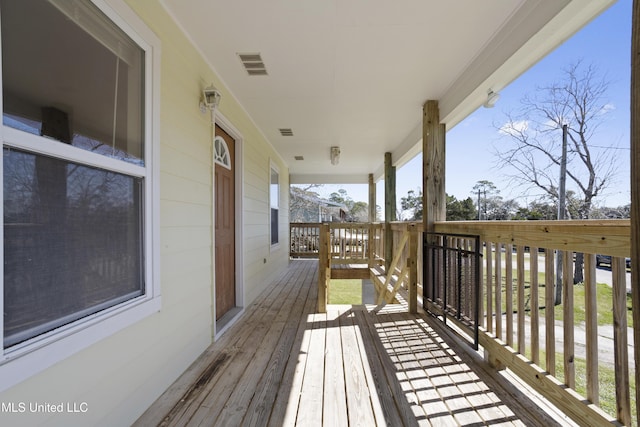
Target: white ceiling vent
(253,64)
(286,131)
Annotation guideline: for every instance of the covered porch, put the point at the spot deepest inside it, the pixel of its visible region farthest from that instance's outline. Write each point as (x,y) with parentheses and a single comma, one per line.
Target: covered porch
(293,359)
(285,364)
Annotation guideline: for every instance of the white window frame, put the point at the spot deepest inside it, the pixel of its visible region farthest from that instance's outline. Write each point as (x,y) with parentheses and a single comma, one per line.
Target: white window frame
(37,354)
(221,152)
(274,168)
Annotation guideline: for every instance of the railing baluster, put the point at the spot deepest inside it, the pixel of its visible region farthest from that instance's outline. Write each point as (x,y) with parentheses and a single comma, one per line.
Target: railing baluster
(534,305)
(591,327)
(521,301)
(508,262)
(498,290)
(480,272)
(489,249)
(549,313)
(568,339)
(623,407)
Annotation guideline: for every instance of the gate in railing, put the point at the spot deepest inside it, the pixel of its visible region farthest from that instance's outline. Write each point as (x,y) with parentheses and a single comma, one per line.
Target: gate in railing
(451,272)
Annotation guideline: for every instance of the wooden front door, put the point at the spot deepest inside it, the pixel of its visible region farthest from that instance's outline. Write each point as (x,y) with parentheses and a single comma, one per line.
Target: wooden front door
(225,248)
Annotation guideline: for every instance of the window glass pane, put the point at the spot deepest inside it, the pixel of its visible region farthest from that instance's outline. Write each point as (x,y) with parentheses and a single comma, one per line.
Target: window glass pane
(274,226)
(70,74)
(72,242)
(274,190)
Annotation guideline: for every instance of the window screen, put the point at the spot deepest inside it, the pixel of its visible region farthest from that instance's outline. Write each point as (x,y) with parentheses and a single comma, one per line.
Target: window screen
(72,242)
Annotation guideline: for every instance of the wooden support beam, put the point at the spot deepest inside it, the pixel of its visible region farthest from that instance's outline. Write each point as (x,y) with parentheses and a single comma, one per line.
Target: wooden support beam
(324,272)
(412,264)
(635,189)
(389,207)
(372,199)
(434,199)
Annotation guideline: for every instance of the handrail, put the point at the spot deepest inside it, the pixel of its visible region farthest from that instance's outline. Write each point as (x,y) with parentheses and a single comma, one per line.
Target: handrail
(512,299)
(611,237)
(511,305)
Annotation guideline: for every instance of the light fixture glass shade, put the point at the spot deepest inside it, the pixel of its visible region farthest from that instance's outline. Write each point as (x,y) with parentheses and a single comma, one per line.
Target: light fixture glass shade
(335,155)
(211,97)
(492,98)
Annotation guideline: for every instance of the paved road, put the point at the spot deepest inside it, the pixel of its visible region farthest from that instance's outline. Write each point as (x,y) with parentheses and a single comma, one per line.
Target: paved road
(603,273)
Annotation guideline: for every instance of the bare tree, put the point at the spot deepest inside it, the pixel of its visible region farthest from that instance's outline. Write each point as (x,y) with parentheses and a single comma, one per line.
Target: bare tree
(535,132)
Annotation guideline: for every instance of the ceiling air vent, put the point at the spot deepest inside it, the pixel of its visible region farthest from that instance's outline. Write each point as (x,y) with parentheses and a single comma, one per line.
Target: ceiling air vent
(298,157)
(286,131)
(253,64)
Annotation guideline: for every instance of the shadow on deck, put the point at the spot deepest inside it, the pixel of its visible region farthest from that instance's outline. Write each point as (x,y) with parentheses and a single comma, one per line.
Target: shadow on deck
(283,364)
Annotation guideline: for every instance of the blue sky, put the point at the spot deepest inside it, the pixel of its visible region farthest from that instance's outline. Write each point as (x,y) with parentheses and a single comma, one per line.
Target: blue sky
(605,43)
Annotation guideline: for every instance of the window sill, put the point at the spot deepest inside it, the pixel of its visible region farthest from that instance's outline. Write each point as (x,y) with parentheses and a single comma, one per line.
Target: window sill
(36,355)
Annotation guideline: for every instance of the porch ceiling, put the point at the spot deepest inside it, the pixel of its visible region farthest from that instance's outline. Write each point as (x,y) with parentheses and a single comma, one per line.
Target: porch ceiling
(356,73)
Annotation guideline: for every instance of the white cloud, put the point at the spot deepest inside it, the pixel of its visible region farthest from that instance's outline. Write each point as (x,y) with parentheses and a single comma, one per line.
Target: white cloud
(607,108)
(514,128)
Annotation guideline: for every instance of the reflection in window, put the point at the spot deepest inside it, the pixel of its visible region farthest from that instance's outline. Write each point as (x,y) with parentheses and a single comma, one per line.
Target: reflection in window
(69,74)
(274,197)
(72,242)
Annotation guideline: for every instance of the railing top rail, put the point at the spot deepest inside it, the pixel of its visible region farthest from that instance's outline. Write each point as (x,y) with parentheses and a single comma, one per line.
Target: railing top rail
(403,225)
(304,224)
(611,237)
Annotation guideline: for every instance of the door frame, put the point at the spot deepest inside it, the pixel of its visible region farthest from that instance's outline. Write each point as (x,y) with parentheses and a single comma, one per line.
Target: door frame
(220,326)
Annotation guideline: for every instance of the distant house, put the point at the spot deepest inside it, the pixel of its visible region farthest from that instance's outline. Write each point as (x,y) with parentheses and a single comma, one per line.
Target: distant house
(308,208)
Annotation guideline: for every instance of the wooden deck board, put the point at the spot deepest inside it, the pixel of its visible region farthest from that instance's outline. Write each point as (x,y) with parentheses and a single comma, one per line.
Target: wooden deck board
(359,401)
(285,408)
(266,390)
(335,406)
(311,395)
(283,365)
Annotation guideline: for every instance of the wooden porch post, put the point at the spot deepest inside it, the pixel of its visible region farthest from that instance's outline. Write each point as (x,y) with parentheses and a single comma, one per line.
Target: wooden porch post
(389,208)
(412,264)
(635,189)
(434,199)
(372,199)
(324,267)
(433,166)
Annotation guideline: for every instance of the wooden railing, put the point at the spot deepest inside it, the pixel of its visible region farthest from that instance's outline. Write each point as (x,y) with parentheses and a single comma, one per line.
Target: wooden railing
(349,242)
(520,330)
(402,269)
(304,239)
(346,250)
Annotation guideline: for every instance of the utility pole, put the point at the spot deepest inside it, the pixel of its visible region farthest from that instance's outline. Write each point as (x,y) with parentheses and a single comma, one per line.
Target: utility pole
(562,196)
(561,210)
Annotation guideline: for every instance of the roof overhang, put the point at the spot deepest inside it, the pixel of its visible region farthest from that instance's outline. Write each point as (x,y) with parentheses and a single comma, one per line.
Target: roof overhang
(355,74)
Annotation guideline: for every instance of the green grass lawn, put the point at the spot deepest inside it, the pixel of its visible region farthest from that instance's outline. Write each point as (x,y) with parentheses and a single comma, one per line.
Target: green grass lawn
(606,381)
(345,291)
(604,298)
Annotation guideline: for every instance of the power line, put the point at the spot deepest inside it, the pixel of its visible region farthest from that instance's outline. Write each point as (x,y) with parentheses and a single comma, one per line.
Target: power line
(610,148)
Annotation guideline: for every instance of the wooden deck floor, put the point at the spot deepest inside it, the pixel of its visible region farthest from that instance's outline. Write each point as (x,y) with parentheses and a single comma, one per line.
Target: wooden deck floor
(282,364)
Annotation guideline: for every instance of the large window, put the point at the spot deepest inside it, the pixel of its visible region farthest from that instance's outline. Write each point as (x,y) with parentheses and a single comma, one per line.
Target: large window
(76,167)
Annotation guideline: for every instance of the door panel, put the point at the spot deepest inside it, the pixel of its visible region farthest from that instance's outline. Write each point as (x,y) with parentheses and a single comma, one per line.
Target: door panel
(225,253)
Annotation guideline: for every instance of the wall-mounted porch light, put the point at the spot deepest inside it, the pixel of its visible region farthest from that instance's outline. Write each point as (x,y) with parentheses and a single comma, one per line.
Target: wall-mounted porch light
(492,98)
(210,99)
(335,155)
